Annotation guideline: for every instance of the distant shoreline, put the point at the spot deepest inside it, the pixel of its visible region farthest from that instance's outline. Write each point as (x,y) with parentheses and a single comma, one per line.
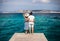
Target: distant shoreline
(34,11)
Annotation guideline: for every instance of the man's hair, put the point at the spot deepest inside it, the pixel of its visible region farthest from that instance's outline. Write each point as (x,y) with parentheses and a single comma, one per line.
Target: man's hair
(31,13)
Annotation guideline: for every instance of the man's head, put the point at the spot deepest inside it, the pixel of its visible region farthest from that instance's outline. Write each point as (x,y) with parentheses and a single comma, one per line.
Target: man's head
(30,13)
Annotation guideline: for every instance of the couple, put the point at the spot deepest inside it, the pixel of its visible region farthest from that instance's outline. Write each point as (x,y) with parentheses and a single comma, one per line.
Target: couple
(29,23)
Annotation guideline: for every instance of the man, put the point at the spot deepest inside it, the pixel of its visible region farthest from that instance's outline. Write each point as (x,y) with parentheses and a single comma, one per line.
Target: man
(31,23)
(26,22)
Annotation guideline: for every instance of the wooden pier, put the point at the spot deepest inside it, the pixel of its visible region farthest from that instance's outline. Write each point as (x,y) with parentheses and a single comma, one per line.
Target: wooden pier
(28,37)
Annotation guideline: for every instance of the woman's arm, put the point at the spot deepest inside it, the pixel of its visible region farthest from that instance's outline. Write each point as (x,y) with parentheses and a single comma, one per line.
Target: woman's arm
(24,15)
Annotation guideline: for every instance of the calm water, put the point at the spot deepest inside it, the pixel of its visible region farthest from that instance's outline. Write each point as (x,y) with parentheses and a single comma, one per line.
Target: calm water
(49,24)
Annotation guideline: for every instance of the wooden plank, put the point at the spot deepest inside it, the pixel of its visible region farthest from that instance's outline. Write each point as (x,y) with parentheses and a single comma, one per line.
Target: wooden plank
(28,37)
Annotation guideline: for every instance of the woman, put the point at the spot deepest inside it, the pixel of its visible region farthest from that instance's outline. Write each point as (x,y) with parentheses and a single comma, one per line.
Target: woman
(26,15)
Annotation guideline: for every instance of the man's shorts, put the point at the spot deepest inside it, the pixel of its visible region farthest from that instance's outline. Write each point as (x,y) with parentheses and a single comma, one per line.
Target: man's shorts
(31,24)
(26,27)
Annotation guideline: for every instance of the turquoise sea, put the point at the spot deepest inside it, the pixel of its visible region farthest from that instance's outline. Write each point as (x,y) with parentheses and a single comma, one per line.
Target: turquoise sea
(47,23)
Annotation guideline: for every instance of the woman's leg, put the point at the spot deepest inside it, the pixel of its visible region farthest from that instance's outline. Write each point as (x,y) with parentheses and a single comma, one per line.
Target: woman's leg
(26,31)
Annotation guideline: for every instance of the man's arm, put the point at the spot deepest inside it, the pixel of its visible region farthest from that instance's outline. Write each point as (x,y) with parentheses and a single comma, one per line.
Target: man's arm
(32,19)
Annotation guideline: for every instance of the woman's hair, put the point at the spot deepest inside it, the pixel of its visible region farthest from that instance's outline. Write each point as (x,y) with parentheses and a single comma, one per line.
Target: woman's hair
(26,16)
(31,13)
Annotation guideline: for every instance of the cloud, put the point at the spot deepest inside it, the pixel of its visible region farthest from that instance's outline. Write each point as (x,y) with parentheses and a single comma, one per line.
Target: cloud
(34,1)
(13,5)
(41,1)
(45,1)
(17,2)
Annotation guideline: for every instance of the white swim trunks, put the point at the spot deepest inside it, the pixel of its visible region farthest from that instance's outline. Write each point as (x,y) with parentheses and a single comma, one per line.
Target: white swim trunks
(31,24)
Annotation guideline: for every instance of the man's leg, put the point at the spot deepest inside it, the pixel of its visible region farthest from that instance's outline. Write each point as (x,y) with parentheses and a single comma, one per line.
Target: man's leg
(29,28)
(32,29)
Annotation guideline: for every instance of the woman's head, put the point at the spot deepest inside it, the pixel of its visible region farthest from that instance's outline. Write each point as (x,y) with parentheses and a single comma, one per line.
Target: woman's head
(26,14)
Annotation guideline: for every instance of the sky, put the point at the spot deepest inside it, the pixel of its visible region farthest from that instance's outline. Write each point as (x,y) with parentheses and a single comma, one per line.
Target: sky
(14,5)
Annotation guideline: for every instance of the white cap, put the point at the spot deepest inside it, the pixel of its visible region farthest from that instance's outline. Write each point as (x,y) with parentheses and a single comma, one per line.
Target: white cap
(26,14)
